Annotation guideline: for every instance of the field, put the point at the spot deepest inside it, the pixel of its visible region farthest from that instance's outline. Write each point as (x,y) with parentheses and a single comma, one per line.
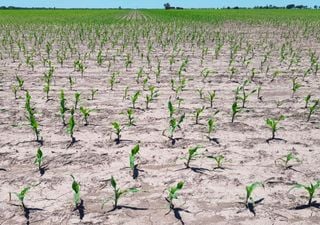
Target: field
(206,104)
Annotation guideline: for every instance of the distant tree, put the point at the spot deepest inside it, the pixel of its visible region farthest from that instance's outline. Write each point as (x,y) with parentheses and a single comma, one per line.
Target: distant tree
(315,7)
(167,6)
(290,6)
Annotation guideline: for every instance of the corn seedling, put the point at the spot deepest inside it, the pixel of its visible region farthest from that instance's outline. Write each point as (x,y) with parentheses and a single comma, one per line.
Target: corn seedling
(286,160)
(63,108)
(93,93)
(112,80)
(273,125)
(71,125)
(192,154)
(211,97)
(132,158)
(148,100)
(118,192)
(71,82)
(249,192)
(31,117)
(171,109)
(311,189)
(76,192)
(212,124)
(21,196)
(219,159)
(117,130)
(312,109)
(139,75)
(86,113)
(20,82)
(197,113)
(174,124)
(244,96)
(200,91)
(125,94)
(39,159)
(205,74)
(14,89)
(307,100)
(77,99)
(173,193)
(235,109)
(295,86)
(134,99)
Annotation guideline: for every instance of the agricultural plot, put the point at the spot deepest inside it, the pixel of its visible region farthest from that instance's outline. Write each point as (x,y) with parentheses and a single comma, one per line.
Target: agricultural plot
(156,117)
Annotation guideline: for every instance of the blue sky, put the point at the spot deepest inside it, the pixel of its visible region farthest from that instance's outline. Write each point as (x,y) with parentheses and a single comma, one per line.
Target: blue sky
(151,3)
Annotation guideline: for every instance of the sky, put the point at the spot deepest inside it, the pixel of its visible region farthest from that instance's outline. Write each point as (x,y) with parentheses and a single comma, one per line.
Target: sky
(152,3)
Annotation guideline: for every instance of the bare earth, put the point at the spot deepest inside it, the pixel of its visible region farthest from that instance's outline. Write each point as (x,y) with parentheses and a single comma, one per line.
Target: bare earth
(210,196)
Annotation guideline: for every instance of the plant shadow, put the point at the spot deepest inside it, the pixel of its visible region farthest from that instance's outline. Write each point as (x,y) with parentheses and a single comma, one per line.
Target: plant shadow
(251,206)
(176,212)
(126,207)
(215,140)
(27,212)
(73,141)
(42,170)
(314,204)
(194,169)
(80,208)
(275,139)
(136,172)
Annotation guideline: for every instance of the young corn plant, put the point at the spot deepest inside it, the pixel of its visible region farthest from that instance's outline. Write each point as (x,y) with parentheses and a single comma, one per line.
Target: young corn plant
(235,109)
(244,95)
(173,126)
(14,89)
(249,192)
(76,192)
(219,159)
(71,125)
(197,113)
(93,93)
(313,108)
(192,154)
(72,82)
(148,100)
(118,193)
(117,130)
(130,116)
(134,99)
(22,195)
(295,86)
(39,159)
(125,93)
(171,109)
(173,194)
(20,82)
(307,100)
(132,159)
(211,97)
(63,108)
(77,99)
(286,160)
(112,80)
(273,125)
(200,91)
(211,126)
(86,113)
(311,189)
(31,117)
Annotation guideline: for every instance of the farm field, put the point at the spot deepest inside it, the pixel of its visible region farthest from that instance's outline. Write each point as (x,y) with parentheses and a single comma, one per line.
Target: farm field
(191,117)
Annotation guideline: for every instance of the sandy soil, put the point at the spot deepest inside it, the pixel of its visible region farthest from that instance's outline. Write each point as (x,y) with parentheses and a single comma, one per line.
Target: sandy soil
(210,196)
